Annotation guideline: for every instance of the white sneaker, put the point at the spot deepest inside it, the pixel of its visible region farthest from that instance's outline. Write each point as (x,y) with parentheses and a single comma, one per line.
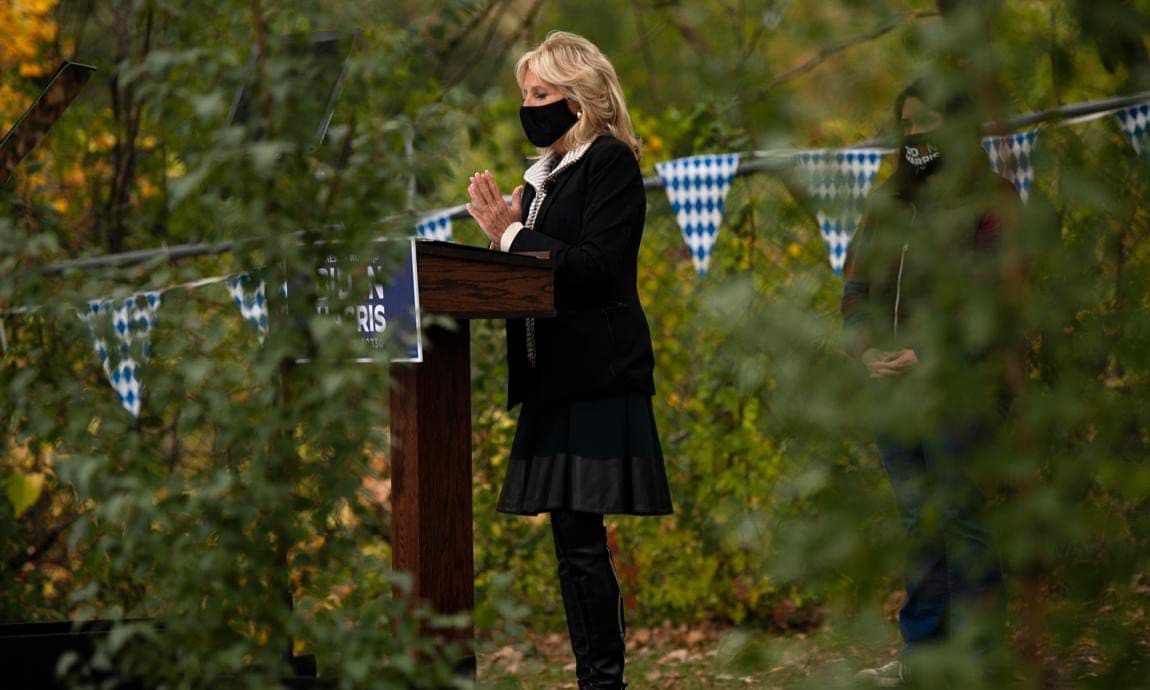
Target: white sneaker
(886,676)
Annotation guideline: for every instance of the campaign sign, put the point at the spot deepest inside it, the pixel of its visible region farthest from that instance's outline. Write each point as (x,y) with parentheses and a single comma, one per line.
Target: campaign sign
(389,312)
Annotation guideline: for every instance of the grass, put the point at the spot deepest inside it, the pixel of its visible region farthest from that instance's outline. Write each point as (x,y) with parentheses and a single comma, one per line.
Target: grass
(706,657)
(689,658)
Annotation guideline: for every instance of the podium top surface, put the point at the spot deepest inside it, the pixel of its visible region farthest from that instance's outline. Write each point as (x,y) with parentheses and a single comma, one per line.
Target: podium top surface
(466,282)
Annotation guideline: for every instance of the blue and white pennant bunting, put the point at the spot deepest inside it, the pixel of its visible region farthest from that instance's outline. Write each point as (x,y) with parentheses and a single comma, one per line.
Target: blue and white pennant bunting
(1011,156)
(1135,124)
(435,227)
(697,189)
(129,321)
(250,296)
(839,181)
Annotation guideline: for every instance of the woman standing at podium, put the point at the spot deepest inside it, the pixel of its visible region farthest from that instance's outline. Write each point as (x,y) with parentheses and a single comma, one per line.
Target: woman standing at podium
(586,444)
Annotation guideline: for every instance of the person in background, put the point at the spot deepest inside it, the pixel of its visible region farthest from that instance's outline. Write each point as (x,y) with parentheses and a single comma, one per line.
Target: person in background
(894,274)
(586,443)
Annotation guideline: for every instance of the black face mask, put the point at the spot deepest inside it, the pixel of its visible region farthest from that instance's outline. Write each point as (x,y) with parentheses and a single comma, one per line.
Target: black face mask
(544,124)
(920,156)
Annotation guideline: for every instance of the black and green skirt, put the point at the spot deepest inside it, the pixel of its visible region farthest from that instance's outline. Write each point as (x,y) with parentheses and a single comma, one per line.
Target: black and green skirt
(594,456)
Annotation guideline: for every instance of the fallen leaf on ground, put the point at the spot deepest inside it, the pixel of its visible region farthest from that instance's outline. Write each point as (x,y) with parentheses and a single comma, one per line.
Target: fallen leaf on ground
(677,656)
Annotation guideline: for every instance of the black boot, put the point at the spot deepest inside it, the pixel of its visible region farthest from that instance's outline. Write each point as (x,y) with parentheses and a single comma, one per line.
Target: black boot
(591,599)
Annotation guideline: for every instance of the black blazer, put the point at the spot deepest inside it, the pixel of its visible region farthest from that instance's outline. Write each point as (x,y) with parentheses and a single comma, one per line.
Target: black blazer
(599,344)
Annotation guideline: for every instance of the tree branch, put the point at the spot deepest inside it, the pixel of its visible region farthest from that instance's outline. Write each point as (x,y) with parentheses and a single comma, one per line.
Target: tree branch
(453,80)
(752,45)
(33,552)
(645,48)
(833,49)
(524,27)
(692,37)
(341,165)
(259,23)
(458,39)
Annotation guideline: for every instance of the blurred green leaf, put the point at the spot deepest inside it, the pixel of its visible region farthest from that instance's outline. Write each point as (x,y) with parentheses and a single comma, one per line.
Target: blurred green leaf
(23,490)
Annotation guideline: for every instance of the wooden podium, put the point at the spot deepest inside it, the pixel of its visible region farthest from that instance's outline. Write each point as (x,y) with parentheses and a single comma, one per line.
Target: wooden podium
(431,413)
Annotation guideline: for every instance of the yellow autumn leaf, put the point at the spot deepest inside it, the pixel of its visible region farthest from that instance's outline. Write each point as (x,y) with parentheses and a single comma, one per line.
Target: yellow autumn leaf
(31,69)
(36,6)
(23,490)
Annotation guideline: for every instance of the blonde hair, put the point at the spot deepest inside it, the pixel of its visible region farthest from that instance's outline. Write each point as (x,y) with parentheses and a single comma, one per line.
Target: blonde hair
(583,74)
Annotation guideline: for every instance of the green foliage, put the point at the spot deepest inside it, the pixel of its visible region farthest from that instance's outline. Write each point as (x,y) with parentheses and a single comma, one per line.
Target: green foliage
(246,474)
(243,480)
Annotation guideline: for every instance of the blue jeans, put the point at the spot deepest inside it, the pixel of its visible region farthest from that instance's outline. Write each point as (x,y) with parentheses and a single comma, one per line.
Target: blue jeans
(952,570)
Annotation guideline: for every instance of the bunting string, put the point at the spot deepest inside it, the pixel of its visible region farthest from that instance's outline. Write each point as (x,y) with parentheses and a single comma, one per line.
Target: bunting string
(697,188)
(436,226)
(1135,124)
(838,182)
(250,296)
(1011,156)
(128,324)
(121,329)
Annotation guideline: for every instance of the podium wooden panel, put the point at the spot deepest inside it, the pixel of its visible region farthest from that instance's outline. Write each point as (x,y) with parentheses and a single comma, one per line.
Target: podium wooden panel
(431,413)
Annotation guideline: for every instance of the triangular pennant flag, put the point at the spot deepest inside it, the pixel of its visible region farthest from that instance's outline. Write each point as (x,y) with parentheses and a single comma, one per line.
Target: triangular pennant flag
(697,188)
(250,296)
(435,227)
(1011,157)
(838,181)
(127,323)
(1135,122)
